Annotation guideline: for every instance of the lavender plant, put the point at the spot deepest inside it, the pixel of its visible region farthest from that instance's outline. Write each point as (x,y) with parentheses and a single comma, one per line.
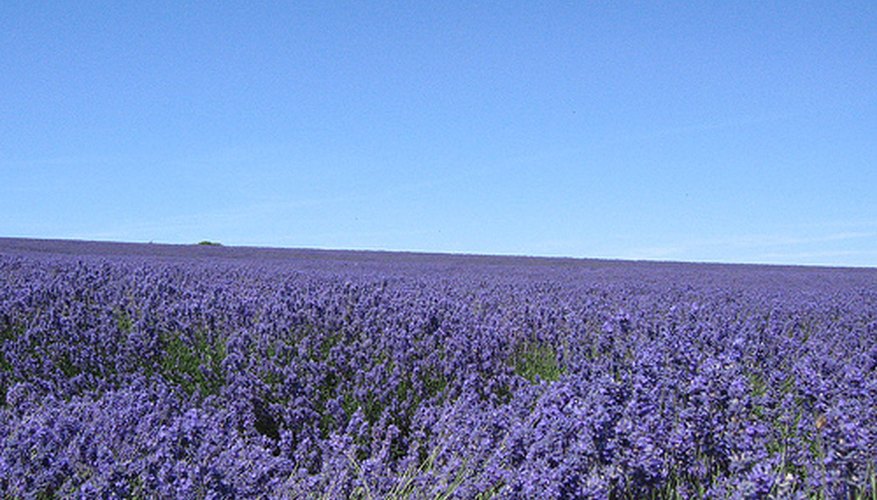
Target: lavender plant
(217,372)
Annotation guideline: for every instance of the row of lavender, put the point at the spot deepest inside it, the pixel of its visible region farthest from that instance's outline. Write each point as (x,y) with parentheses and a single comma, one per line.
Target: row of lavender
(226,372)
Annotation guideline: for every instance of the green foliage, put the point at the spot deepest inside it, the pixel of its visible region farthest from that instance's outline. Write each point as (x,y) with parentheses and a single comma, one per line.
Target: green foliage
(536,360)
(371,407)
(67,366)
(758,385)
(195,365)
(124,321)
(435,382)
(9,333)
(208,243)
(5,366)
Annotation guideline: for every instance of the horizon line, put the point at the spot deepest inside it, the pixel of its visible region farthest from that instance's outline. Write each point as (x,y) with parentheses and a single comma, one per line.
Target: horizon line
(217,245)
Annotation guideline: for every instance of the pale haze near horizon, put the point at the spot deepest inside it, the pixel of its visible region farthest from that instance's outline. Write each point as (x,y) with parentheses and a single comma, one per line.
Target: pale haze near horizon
(733,132)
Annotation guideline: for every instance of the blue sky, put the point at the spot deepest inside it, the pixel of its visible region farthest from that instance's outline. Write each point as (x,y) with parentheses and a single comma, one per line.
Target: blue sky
(702,131)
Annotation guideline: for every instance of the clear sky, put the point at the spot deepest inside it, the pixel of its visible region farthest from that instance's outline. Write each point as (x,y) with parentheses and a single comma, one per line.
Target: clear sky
(698,131)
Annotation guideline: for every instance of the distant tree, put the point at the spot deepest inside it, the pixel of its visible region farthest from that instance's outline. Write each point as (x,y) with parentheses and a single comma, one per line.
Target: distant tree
(210,243)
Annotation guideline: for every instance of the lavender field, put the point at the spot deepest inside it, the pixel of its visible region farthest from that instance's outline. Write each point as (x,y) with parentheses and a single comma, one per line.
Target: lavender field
(154,371)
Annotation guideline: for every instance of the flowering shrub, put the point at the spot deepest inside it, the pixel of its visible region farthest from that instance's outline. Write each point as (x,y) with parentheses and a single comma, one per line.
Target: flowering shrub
(160,371)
